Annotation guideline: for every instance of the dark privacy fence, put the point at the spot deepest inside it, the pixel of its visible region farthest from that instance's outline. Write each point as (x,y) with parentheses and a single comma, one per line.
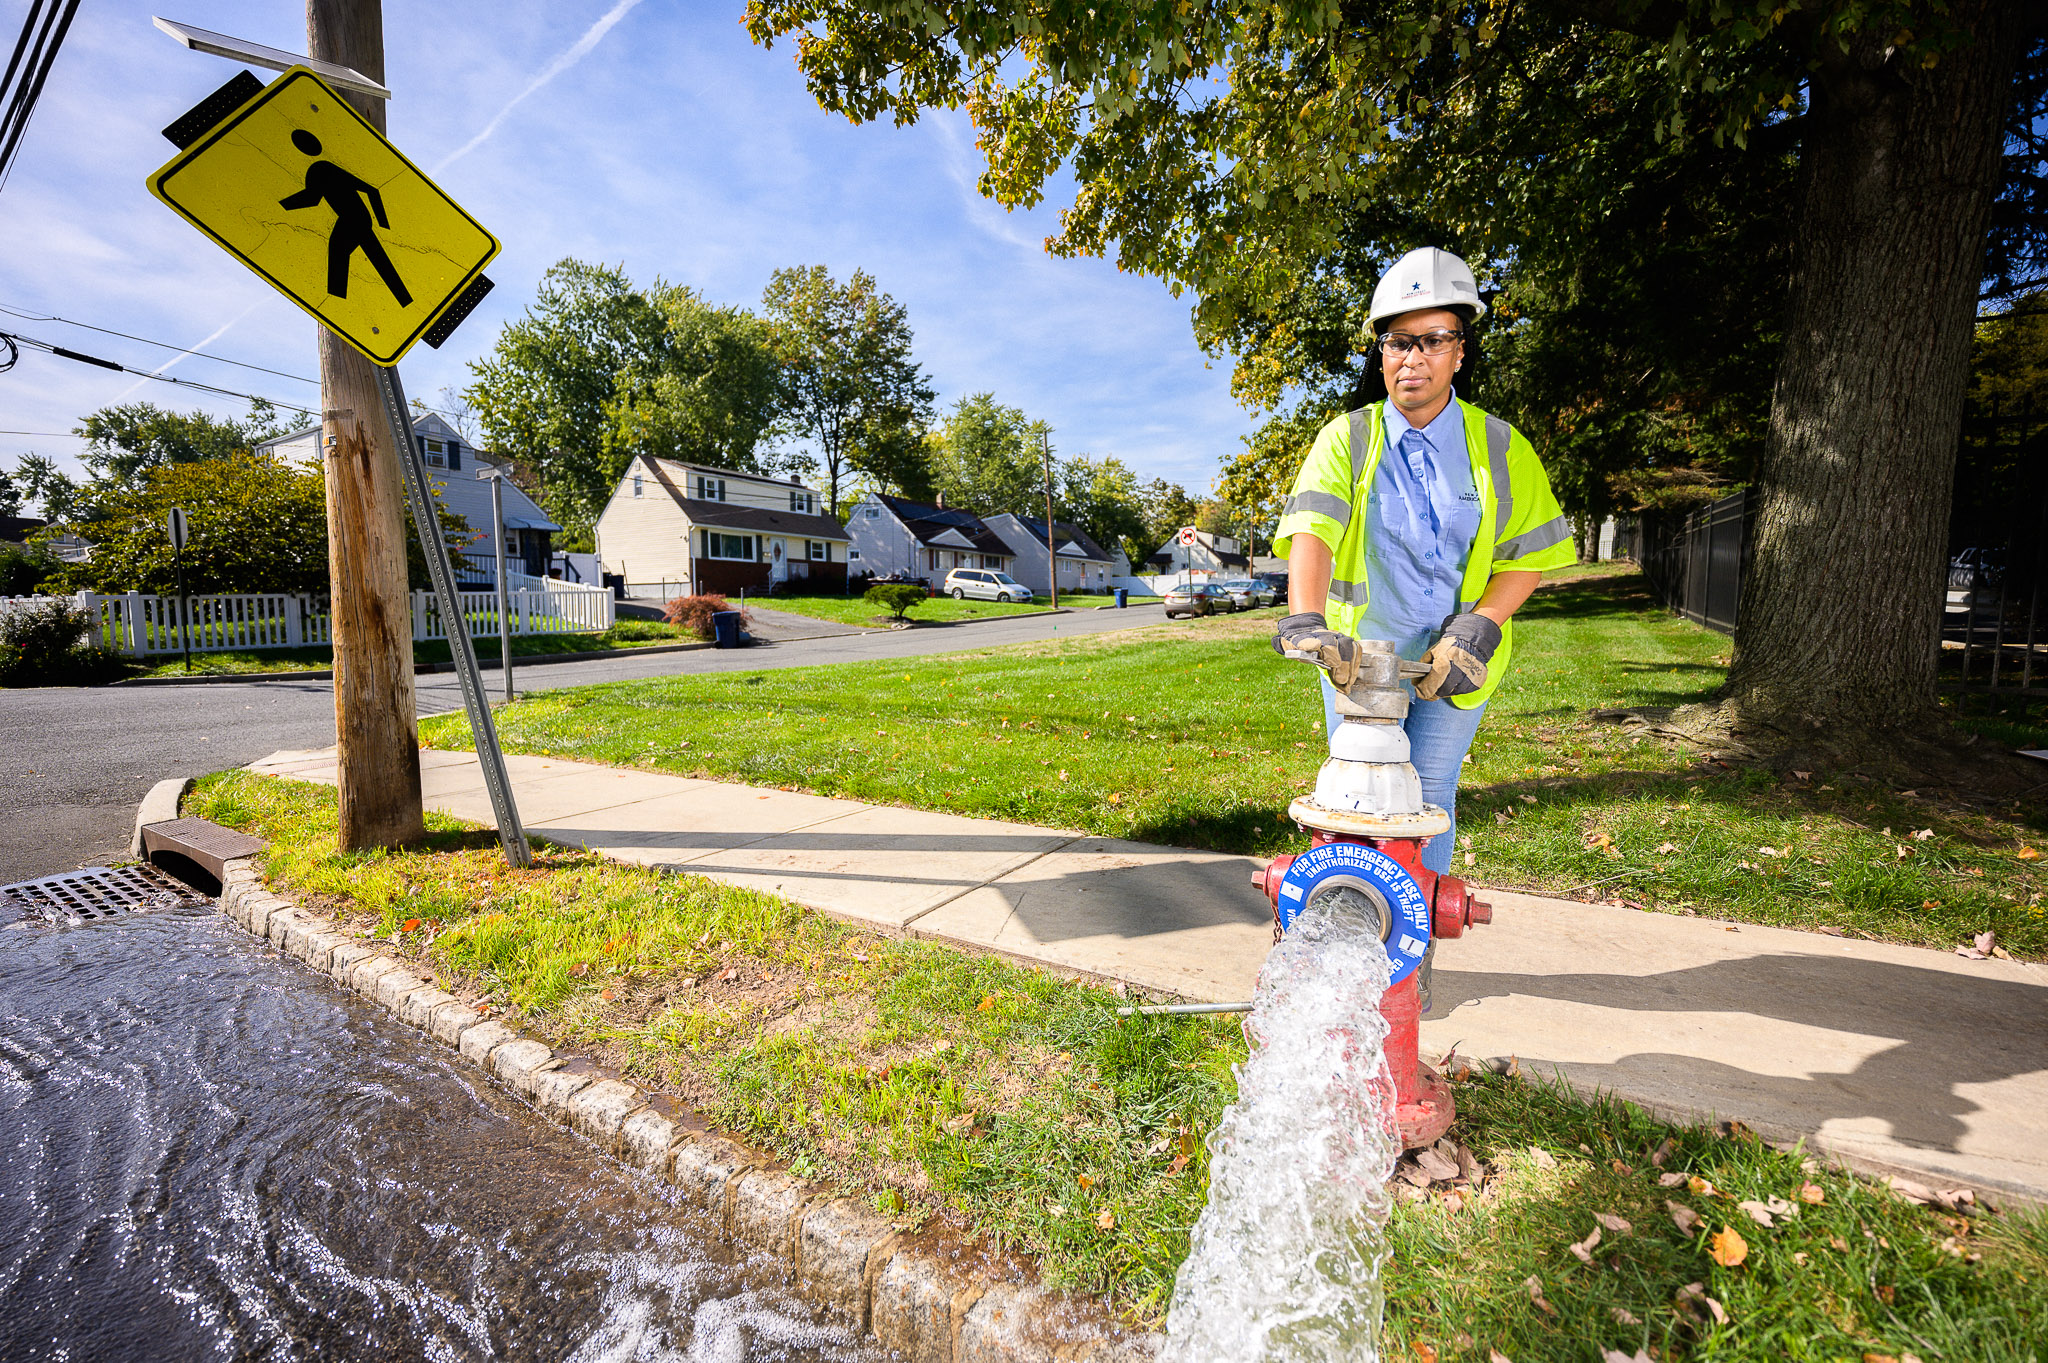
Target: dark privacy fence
(1994,622)
(1695,565)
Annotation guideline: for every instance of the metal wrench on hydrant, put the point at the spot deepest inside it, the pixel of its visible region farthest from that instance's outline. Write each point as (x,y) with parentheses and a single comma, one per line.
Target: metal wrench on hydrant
(1367,825)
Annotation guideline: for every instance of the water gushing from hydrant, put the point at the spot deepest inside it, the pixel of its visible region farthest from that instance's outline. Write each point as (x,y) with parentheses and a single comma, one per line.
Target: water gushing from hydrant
(1286,1258)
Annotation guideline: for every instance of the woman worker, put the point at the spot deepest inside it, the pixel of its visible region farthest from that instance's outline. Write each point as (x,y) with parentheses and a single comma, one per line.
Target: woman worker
(1420,519)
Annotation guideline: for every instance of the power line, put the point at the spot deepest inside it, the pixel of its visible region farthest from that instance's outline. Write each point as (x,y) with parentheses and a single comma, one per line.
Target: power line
(82,358)
(164,345)
(35,52)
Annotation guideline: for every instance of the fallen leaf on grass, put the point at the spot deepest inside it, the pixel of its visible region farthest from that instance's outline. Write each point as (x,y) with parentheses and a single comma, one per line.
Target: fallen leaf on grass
(1694,1295)
(1496,1356)
(1683,1217)
(1800,1257)
(1758,1213)
(1664,1152)
(1922,834)
(1116,797)
(2028,854)
(579,970)
(1106,1221)
(607,996)
(411,925)
(1623,1316)
(1613,1222)
(1583,1250)
(1671,1180)
(1665,849)
(1085,1181)
(988,1001)
(1544,1159)
(1436,1165)
(1728,1248)
(1699,1187)
(729,974)
(1617,1356)
(1535,1286)
(1803,775)
(1982,947)
(1423,1353)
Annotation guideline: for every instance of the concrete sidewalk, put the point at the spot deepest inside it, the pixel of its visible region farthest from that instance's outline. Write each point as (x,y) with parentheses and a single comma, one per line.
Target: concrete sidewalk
(1892,1059)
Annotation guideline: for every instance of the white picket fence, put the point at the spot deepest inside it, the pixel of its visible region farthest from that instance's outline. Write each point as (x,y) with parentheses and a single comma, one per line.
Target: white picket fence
(143,625)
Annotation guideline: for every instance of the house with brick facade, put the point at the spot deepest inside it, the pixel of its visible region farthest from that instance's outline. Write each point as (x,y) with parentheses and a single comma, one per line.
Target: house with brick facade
(677,529)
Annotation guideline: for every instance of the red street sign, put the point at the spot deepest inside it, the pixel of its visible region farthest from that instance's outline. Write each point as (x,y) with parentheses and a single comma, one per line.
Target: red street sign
(1187,536)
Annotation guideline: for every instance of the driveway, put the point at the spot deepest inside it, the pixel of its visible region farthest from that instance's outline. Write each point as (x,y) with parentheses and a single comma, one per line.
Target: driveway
(75,762)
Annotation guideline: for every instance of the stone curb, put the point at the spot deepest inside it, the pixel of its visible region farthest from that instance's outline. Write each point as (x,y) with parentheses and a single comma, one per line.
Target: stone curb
(927,1307)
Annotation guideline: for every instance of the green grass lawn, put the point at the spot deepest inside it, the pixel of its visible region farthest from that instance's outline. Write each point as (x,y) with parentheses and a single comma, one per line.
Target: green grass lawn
(853,610)
(934,1083)
(624,634)
(1195,733)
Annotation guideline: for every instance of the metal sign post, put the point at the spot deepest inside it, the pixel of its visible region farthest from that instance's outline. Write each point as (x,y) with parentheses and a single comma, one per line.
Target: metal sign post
(412,462)
(497,477)
(178,531)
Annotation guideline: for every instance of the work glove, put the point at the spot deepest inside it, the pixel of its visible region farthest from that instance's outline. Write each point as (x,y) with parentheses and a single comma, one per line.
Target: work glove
(1457,660)
(1310,636)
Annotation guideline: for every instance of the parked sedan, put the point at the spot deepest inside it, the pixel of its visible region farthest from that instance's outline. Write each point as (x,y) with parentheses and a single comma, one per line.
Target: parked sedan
(1250,592)
(985,585)
(1199,598)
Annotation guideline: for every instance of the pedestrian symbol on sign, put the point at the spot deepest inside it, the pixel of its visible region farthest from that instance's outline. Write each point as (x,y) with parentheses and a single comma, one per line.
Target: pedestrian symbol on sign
(329,184)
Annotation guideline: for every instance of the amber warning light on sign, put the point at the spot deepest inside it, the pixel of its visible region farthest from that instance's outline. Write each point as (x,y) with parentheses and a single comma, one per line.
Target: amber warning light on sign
(298,187)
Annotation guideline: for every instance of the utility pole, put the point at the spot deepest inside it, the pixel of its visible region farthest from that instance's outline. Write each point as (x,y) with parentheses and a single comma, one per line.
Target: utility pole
(374,720)
(1052,558)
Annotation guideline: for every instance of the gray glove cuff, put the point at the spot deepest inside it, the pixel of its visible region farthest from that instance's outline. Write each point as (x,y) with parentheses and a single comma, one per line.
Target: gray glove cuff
(1476,634)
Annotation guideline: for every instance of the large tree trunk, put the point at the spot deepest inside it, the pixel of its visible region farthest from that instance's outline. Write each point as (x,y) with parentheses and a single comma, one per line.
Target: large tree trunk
(1841,603)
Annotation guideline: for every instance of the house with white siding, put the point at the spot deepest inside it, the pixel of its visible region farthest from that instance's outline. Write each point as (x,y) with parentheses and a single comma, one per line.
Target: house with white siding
(1209,556)
(452,464)
(677,529)
(895,535)
(1085,566)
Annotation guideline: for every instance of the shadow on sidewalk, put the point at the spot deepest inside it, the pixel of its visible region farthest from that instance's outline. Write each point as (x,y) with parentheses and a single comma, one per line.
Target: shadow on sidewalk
(1945,1031)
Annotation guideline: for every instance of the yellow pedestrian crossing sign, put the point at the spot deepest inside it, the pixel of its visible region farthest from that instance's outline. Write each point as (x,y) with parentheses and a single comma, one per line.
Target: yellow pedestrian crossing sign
(300,188)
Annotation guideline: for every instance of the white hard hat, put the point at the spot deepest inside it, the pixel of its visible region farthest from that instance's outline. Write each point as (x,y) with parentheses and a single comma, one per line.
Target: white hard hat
(1425,278)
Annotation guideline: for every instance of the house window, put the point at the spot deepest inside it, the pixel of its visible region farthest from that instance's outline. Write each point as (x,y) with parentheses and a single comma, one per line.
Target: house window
(991,561)
(636,486)
(804,503)
(710,490)
(820,551)
(853,556)
(436,452)
(512,543)
(874,512)
(740,547)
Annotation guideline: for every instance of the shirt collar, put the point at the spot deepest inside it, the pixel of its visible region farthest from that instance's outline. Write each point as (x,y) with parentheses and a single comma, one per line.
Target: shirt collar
(1445,433)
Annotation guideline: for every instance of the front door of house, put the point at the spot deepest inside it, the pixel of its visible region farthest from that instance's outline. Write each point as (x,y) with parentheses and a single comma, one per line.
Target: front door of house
(778,562)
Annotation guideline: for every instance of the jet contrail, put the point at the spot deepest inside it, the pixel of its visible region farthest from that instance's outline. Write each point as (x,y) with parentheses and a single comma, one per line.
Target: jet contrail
(221,331)
(577,51)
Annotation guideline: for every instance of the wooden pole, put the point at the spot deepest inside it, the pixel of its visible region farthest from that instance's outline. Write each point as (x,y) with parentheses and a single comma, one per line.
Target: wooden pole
(374,714)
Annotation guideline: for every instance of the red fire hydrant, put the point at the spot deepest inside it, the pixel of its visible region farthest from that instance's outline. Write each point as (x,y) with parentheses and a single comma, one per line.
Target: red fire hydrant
(1442,905)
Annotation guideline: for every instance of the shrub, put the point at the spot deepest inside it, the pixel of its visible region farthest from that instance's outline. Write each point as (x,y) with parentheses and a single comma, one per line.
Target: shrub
(45,645)
(694,613)
(897,596)
(23,568)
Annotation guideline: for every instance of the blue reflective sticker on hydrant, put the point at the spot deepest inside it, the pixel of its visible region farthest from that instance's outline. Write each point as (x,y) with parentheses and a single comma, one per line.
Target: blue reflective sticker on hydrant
(1356,861)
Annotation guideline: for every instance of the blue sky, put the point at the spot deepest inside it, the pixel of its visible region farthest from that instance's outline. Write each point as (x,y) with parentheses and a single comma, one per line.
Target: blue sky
(673,146)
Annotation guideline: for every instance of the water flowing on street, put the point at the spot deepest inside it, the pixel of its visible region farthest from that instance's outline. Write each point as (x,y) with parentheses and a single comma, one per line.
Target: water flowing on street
(212,1152)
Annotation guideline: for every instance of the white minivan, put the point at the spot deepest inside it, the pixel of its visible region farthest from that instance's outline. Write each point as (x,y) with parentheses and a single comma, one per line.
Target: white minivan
(985,584)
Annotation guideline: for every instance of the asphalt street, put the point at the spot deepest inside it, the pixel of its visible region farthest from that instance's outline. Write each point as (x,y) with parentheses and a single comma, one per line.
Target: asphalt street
(74,762)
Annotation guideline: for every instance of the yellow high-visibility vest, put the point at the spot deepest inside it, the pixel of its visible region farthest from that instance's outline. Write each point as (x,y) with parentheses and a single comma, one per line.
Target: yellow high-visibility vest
(1518,516)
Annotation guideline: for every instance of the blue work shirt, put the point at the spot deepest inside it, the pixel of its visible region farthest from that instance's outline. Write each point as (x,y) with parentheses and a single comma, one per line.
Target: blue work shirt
(1422,515)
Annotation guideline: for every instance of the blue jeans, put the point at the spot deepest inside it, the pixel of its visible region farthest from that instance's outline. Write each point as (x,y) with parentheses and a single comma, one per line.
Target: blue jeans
(1439,736)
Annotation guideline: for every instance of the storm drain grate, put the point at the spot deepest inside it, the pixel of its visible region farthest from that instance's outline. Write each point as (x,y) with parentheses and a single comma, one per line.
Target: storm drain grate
(97,892)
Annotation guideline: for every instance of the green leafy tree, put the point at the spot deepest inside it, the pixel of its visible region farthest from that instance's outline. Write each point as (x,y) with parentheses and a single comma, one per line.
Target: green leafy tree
(709,394)
(255,524)
(124,444)
(851,390)
(985,458)
(10,495)
(599,370)
(43,485)
(1102,496)
(1227,147)
(1168,507)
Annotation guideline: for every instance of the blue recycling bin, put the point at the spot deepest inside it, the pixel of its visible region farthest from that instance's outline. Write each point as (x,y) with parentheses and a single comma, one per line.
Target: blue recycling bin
(1123,597)
(725,629)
